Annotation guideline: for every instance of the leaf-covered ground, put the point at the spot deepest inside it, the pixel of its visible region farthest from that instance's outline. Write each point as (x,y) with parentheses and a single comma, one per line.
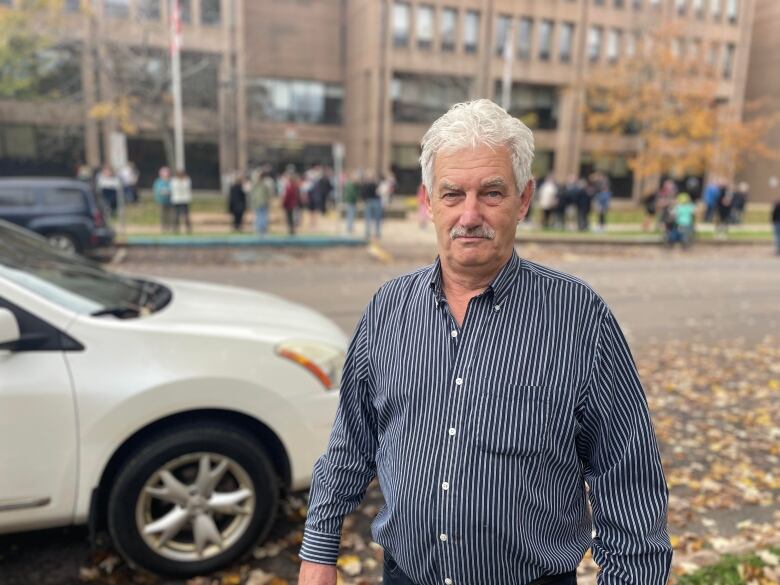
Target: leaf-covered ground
(716,410)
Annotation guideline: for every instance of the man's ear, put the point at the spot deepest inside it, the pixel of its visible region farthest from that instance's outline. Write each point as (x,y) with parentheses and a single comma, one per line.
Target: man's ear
(526,196)
(428,202)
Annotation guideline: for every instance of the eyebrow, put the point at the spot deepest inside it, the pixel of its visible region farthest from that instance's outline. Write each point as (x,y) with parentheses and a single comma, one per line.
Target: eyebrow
(486,184)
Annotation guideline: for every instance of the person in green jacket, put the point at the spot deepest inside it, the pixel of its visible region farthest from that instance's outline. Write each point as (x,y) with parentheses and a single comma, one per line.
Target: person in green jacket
(162,196)
(684,213)
(351,194)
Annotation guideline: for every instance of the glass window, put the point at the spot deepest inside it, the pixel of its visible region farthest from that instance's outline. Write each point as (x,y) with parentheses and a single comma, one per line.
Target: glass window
(116,8)
(637,4)
(545,39)
(619,3)
(64,198)
(449,24)
(71,5)
(20,142)
(680,6)
(631,43)
(424,26)
(471,31)
(401,17)
(696,50)
(295,100)
(712,55)
(599,2)
(678,48)
(185,11)
(16,197)
(210,12)
(716,8)
(594,43)
(732,10)
(698,8)
(149,10)
(566,41)
(503,23)
(420,99)
(656,4)
(200,78)
(613,44)
(524,37)
(536,105)
(728,61)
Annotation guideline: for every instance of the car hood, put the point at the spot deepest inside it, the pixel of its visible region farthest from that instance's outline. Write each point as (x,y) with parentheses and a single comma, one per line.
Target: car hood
(215,309)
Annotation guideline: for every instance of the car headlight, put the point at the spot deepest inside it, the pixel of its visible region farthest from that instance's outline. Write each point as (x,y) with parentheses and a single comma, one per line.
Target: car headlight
(324,361)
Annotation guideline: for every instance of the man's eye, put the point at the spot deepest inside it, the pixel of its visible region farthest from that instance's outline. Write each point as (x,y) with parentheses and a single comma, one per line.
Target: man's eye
(494,194)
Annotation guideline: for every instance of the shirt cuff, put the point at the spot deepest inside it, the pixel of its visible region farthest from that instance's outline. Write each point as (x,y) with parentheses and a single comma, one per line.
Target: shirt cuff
(319,547)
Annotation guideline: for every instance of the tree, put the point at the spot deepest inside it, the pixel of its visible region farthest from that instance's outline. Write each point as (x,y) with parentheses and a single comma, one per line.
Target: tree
(669,102)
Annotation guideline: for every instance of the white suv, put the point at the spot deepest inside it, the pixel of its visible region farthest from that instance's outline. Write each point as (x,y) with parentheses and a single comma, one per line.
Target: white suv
(171,413)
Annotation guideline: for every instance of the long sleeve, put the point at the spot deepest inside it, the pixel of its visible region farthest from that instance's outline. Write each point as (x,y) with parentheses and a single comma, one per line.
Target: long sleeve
(622,466)
(343,473)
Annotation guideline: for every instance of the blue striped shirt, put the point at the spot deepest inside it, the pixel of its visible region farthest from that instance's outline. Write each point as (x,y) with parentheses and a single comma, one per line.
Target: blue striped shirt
(484,436)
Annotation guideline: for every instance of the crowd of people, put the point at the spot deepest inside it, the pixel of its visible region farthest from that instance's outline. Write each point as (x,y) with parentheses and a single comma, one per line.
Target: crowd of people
(577,196)
(112,184)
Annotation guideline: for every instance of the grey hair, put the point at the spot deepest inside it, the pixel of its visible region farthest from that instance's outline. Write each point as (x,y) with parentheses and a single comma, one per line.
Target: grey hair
(476,123)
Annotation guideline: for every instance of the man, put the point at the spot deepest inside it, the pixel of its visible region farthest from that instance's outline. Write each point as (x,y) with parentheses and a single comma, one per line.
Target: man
(484,391)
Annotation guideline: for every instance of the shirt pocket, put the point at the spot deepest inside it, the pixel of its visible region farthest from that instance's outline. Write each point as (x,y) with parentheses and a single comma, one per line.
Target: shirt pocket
(513,421)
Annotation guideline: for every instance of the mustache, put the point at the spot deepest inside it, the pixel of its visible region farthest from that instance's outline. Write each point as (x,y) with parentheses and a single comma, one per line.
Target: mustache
(477,232)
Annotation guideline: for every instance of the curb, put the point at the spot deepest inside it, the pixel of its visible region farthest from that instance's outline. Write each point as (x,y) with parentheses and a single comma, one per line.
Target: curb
(240,242)
(638,241)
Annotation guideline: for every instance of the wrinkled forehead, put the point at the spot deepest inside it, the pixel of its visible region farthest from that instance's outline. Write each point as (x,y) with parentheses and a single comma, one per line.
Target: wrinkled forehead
(482,165)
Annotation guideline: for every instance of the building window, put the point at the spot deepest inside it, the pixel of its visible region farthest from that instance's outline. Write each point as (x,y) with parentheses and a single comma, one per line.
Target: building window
(185,11)
(116,8)
(70,5)
(728,61)
(678,48)
(698,9)
(732,11)
(401,16)
(449,24)
(712,55)
(566,42)
(619,3)
(599,2)
(503,23)
(545,39)
(424,26)
(295,100)
(716,8)
(471,32)
(655,4)
(613,45)
(210,13)
(524,37)
(421,99)
(594,43)
(631,42)
(149,10)
(536,105)
(637,4)
(696,50)
(680,6)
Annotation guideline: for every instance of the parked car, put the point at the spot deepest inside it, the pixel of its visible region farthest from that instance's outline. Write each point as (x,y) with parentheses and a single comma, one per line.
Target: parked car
(64,211)
(170,413)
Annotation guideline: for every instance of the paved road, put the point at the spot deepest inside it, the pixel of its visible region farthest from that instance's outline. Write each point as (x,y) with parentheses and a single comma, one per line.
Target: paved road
(657,295)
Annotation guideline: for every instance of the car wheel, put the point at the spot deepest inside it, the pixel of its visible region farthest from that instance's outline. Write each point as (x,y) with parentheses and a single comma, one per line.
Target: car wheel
(63,242)
(192,500)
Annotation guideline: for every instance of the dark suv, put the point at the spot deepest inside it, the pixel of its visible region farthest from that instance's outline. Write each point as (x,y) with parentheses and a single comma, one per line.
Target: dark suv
(64,211)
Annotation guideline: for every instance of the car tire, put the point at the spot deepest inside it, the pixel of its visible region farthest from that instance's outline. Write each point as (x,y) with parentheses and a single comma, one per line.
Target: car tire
(64,242)
(156,525)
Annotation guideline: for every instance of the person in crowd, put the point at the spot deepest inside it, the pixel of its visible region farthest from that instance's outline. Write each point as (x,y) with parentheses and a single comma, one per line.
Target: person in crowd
(496,400)
(385,189)
(548,200)
(567,199)
(181,199)
(724,207)
(109,186)
(649,206)
(739,206)
(373,205)
(261,195)
(162,196)
(237,201)
(319,194)
(602,197)
(291,199)
(664,201)
(583,198)
(711,195)
(128,174)
(351,196)
(776,224)
(684,212)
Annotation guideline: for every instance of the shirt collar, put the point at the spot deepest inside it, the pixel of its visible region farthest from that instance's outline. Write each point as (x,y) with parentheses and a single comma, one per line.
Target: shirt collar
(499,288)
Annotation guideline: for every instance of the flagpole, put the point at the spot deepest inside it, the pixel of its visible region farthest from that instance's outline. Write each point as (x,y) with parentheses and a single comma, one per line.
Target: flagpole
(178,126)
(509,54)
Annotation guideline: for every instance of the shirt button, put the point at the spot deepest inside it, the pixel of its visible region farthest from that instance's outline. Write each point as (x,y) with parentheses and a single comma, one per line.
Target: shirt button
(448,581)
(452,431)
(445,486)
(459,381)
(497,308)
(454,333)
(443,537)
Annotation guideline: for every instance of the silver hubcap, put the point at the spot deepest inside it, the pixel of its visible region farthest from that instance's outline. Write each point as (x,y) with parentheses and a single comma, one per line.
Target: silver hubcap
(195,507)
(62,243)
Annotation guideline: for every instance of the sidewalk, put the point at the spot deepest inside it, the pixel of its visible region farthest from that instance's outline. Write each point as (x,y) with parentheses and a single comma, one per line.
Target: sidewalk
(214,229)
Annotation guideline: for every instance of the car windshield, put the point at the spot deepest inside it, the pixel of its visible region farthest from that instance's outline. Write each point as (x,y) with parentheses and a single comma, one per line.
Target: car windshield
(73,282)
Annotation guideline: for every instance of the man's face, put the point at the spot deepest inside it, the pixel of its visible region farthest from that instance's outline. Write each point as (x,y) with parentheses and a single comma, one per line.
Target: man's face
(475,207)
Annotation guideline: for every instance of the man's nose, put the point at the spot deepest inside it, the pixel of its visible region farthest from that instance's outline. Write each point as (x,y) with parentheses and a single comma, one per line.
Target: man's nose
(471,215)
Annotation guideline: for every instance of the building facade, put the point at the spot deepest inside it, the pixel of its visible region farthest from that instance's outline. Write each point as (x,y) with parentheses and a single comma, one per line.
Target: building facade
(282,81)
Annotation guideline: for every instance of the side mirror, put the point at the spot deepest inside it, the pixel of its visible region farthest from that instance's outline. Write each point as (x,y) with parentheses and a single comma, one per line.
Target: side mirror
(9,330)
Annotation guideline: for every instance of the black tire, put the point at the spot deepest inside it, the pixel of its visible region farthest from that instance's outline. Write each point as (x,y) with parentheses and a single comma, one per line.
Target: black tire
(64,242)
(219,439)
